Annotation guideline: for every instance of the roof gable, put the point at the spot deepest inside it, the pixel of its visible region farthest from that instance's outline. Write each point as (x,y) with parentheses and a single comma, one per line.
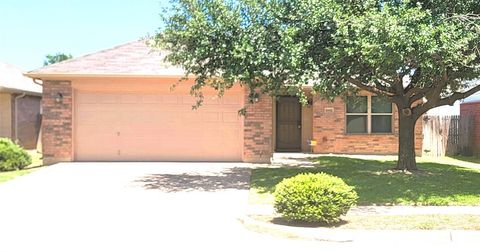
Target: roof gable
(134,58)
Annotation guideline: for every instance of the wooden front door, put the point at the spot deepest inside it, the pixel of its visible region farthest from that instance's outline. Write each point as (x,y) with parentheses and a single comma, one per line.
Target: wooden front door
(289,124)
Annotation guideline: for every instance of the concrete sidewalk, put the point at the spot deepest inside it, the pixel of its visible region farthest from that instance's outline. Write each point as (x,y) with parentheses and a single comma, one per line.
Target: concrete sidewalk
(263,209)
(305,159)
(414,210)
(468,237)
(462,237)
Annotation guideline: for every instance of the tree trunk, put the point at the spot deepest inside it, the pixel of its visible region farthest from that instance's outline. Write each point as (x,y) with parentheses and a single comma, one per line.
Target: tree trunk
(406,142)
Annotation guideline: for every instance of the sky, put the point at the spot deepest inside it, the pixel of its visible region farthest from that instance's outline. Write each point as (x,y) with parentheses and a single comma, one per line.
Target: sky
(31,29)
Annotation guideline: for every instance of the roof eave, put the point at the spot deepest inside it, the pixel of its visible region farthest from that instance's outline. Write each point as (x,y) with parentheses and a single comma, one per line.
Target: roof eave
(20,91)
(104,75)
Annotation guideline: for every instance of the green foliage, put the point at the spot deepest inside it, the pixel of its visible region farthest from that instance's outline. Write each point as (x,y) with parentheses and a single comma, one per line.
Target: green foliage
(313,198)
(12,156)
(376,185)
(379,47)
(58,57)
(418,54)
(387,47)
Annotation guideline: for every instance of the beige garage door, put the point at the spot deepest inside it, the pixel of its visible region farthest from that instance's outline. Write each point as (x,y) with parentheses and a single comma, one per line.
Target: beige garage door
(156,127)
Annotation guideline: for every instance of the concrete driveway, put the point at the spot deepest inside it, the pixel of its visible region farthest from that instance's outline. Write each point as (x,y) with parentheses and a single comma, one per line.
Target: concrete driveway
(130,207)
(139,207)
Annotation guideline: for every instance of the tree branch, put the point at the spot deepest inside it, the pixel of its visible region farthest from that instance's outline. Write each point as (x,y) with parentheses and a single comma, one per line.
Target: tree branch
(410,90)
(457,96)
(399,87)
(417,97)
(380,86)
(421,109)
(375,89)
(419,94)
(434,95)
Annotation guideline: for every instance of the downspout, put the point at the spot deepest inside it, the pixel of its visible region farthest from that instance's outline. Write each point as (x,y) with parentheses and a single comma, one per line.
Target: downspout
(35,80)
(39,140)
(16,114)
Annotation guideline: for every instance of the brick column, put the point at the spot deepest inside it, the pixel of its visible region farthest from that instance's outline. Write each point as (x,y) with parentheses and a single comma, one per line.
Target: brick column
(258,130)
(57,122)
(328,124)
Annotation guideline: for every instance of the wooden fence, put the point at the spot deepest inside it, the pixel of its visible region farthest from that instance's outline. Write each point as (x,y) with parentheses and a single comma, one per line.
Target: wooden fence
(447,135)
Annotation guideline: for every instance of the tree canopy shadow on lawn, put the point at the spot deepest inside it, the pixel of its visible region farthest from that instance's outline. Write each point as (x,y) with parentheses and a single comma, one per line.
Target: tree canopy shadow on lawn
(234,178)
(434,184)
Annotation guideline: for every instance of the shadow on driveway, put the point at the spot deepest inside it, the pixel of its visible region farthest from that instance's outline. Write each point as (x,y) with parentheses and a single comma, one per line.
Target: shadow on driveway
(232,178)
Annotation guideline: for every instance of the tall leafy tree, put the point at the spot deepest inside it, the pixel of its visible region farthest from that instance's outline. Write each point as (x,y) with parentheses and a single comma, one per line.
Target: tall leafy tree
(58,57)
(417,54)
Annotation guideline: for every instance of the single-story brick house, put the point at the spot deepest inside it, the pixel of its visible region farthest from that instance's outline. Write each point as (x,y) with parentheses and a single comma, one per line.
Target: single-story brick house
(471,107)
(118,104)
(20,100)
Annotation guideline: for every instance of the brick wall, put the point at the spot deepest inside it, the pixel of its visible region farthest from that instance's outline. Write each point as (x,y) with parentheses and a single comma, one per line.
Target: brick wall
(57,122)
(258,130)
(329,131)
(473,108)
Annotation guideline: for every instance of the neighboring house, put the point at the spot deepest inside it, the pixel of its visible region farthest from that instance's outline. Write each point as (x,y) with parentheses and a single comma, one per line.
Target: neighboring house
(20,101)
(471,107)
(117,104)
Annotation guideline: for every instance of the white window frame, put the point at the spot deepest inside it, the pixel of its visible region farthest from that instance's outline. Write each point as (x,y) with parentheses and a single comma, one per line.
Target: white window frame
(369,118)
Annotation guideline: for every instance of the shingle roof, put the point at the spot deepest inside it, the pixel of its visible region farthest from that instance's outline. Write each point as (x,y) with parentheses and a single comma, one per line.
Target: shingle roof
(134,58)
(12,80)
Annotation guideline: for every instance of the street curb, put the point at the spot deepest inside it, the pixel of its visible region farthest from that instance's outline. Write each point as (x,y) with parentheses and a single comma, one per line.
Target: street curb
(358,235)
(290,232)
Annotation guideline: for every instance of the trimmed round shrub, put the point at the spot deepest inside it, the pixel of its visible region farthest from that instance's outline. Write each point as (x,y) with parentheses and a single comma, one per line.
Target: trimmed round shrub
(314,197)
(12,156)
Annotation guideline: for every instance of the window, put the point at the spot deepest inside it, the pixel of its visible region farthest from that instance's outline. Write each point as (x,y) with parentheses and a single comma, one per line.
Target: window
(357,114)
(368,114)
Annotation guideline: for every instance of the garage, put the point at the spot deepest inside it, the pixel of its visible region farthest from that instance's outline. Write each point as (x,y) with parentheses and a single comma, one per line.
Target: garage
(127,103)
(155,124)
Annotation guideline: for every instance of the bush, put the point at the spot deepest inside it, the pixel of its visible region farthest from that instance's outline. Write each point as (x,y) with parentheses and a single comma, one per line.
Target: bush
(12,156)
(313,197)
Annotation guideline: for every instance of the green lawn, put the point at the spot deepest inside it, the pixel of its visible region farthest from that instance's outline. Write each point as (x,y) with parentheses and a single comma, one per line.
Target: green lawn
(445,183)
(5,176)
(36,162)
